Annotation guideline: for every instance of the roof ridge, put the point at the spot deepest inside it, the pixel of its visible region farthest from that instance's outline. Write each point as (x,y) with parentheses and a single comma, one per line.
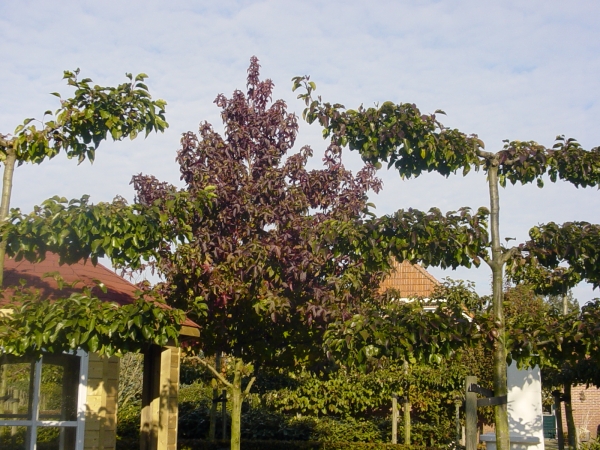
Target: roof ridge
(425,272)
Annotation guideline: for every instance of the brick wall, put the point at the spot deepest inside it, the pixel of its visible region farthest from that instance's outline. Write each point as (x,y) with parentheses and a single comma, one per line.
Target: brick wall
(159,399)
(586,412)
(101,403)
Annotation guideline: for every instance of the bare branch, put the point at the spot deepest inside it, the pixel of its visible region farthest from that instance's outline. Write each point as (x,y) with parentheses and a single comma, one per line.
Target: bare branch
(219,376)
(250,383)
(483,154)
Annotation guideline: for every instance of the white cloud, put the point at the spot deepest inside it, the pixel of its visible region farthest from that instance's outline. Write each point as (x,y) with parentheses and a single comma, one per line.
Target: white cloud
(518,70)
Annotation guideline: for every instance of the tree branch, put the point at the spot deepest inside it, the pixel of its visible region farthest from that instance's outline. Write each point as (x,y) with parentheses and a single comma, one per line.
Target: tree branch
(220,377)
(483,154)
(508,254)
(510,162)
(250,383)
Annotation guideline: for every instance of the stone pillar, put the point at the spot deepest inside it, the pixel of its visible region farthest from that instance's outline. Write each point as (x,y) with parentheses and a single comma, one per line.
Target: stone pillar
(158,427)
(101,403)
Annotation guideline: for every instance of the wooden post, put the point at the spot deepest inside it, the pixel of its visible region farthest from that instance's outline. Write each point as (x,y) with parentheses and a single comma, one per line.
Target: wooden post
(158,428)
(559,425)
(394,419)
(406,420)
(470,415)
(406,407)
(457,404)
(15,409)
(224,413)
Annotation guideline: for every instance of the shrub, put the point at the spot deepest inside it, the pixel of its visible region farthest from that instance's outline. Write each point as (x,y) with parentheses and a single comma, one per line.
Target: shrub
(292,445)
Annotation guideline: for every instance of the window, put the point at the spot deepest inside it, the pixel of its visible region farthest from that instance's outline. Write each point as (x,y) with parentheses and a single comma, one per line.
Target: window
(42,402)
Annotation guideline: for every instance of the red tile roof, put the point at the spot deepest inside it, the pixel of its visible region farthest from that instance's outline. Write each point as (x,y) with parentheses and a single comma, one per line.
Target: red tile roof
(118,289)
(411,280)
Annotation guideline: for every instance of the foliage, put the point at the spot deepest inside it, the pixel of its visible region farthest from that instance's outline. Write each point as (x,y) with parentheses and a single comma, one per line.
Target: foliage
(445,240)
(407,331)
(564,346)
(251,266)
(591,445)
(556,302)
(77,229)
(89,117)
(128,423)
(289,405)
(294,445)
(552,339)
(256,259)
(84,321)
(413,143)
(131,377)
(550,248)
(431,389)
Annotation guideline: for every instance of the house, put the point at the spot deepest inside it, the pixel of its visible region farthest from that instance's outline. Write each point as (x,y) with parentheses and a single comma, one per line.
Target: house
(409,280)
(69,401)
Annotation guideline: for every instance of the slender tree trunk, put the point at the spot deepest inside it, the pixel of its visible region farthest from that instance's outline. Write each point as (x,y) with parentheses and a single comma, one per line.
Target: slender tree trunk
(499,353)
(237,396)
(406,408)
(571,429)
(213,408)
(559,422)
(7,182)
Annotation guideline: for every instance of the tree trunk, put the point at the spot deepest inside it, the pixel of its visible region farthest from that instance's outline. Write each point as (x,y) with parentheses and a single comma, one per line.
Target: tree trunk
(7,182)
(559,422)
(237,396)
(499,353)
(571,429)
(213,408)
(406,408)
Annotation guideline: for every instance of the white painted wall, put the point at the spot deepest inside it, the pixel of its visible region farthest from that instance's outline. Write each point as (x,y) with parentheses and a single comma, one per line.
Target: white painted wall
(525,422)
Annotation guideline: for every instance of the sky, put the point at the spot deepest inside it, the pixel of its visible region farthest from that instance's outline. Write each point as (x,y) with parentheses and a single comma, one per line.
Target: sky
(502,70)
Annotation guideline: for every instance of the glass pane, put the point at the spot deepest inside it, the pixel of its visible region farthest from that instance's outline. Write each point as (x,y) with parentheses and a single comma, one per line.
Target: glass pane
(16,384)
(59,387)
(13,438)
(55,438)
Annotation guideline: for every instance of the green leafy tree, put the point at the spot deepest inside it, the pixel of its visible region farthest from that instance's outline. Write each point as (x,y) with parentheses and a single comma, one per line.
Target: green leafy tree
(78,127)
(412,143)
(245,248)
(82,321)
(412,331)
(564,345)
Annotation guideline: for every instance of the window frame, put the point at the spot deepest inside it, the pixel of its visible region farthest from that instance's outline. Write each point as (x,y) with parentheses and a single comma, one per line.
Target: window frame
(36,422)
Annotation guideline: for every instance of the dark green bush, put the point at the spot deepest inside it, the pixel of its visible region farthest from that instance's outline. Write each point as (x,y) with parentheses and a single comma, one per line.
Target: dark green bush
(357,407)
(328,429)
(194,410)
(128,421)
(291,445)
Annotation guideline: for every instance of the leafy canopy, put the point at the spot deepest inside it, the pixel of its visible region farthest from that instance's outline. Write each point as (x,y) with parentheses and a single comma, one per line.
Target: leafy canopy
(89,117)
(82,321)
(241,247)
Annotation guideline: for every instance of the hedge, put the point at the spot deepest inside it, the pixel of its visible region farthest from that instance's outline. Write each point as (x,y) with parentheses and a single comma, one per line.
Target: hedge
(195,444)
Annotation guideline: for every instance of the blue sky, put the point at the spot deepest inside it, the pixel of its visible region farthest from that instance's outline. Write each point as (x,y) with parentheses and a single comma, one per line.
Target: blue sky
(503,70)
